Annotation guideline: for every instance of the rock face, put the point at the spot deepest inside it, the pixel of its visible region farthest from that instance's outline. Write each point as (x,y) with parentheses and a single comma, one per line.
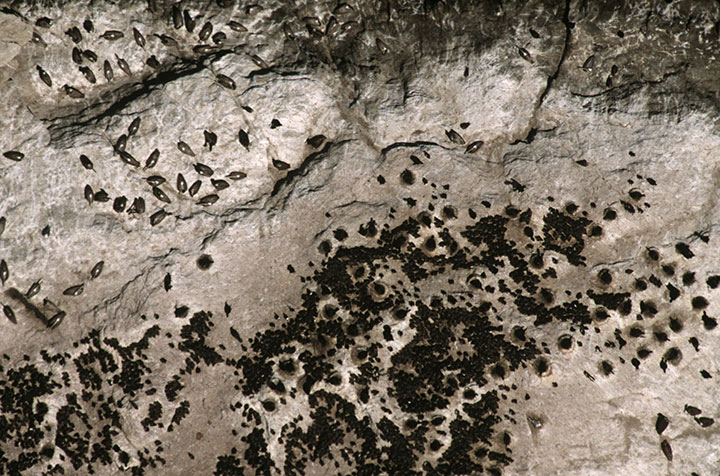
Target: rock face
(374,237)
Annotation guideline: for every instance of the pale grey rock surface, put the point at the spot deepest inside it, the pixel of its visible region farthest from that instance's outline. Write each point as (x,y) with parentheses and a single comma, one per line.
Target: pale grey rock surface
(576,103)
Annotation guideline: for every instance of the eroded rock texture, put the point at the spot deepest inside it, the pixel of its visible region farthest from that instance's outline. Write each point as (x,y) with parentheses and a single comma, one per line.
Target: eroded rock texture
(373,237)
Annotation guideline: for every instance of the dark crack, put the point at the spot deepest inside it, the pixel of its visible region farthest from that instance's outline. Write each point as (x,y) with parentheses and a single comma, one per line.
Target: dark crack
(634,85)
(531,135)
(303,169)
(61,130)
(397,145)
(15,294)
(568,26)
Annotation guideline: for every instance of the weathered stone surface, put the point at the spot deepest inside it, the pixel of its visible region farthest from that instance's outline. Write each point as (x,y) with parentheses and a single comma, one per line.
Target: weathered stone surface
(499,258)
